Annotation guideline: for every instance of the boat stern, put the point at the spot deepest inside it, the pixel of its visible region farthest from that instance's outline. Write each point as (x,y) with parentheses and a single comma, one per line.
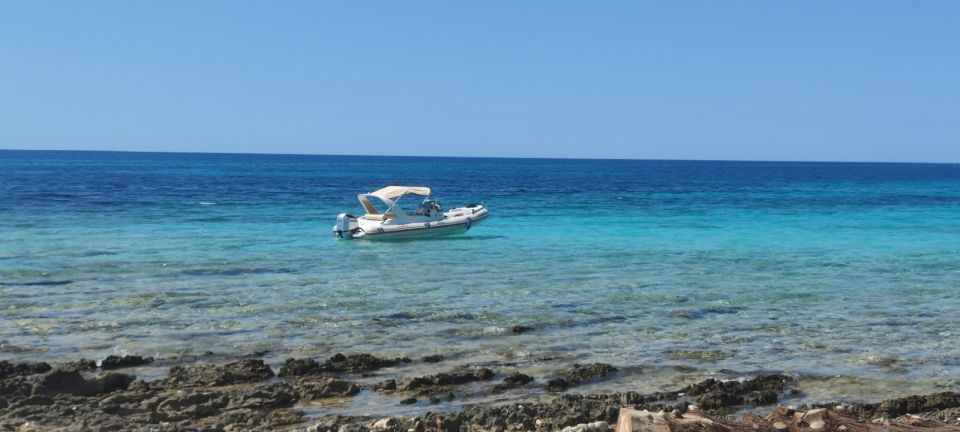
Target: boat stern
(346,227)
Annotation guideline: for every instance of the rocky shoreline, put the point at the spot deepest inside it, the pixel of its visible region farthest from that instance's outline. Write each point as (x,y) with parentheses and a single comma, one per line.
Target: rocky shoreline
(247,394)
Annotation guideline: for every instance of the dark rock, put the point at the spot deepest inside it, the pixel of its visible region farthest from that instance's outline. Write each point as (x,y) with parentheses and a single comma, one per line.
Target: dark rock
(71,382)
(117,362)
(456,377)
(408,401)
(907,405)
(271,396)
(8,369)
(432,358)
(513,380)
(243,371)
(247,420)
(390,384)
(16,387)
(80,365)
(557,385)
(565,410)
(714,394)
(325,388)
(300,367)
(520,329)
(359,363)
(194,405)
(579,374)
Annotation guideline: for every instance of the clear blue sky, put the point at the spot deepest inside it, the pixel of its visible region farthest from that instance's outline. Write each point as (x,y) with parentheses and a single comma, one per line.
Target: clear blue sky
(772,80)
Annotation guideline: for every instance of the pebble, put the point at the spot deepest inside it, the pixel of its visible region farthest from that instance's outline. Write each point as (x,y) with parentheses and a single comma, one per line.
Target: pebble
(385,423)
(599,426)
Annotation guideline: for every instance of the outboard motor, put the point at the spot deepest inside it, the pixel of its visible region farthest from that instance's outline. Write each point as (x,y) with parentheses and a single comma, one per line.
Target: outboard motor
(342,229)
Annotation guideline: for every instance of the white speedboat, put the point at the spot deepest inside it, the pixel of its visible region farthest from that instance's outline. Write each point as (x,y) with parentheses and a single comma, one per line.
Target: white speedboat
(385,219)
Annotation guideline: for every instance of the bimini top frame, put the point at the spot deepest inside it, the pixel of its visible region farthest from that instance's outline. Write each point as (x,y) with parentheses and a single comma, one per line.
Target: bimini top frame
(388,196)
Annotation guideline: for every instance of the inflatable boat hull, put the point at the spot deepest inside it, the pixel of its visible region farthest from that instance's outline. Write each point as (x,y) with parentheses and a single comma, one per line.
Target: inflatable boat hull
(456,221)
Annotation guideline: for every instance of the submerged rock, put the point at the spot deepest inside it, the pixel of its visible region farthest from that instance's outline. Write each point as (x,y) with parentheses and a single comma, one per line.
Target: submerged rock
(513,380)
(579,374)
(557,385)
(388,385)
(117,362)
(520,329)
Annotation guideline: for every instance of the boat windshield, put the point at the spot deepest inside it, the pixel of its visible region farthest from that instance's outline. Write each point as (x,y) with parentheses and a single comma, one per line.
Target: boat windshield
(379,206)
(429,207)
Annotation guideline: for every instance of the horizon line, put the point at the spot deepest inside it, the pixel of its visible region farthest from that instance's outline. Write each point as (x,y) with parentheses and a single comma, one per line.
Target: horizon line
(476,157)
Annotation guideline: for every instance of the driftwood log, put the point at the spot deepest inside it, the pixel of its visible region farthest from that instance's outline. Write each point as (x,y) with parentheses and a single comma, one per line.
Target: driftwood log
(782,419)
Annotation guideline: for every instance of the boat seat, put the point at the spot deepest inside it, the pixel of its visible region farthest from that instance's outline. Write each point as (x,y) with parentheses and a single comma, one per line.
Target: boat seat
(379,217)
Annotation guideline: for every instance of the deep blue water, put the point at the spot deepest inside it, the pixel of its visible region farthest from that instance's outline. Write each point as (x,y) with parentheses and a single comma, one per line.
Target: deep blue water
(673,270)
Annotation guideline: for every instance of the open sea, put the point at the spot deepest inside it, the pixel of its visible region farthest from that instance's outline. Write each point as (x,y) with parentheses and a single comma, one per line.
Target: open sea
(847,274)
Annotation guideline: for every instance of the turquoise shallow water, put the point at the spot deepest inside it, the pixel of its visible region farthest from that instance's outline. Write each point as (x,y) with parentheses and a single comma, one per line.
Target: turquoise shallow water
(665,268)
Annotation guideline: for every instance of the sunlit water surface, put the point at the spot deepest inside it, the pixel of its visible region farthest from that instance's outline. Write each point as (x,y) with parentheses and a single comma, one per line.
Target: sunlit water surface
(672,270)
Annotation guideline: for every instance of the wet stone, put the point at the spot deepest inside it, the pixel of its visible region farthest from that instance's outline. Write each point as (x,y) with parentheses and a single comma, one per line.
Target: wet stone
(300,367)
(388,385)
(760,390)
(908,405)
(456,377)
(360,363)
(326,388)
(270,396)
(513,380)
(8,369)
(72,383)
(243,371)
(338,363)
(579,374)
(80,365)
(117,362)
(557,385)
